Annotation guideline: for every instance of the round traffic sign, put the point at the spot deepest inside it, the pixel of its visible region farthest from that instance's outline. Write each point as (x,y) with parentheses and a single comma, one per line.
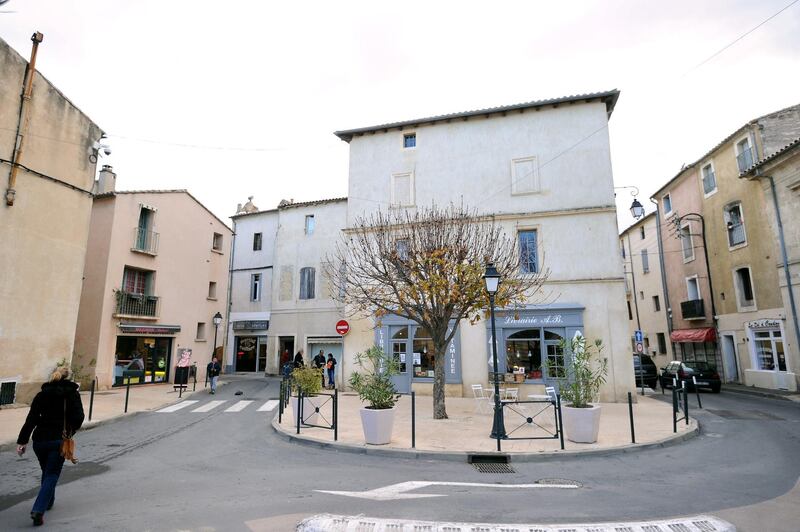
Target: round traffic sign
(342,327)
(639,347)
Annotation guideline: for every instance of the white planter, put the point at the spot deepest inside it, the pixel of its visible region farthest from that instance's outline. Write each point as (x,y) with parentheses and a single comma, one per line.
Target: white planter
(581,425)
(309,406)
(377,425)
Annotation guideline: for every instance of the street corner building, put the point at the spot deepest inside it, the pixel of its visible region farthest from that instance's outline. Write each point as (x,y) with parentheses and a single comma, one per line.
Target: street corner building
(155,286)
(542,171)
(47,163)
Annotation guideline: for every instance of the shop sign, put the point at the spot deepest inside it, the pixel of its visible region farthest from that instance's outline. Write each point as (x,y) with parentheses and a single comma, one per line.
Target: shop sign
(247,344)
(550,319)
(149,329)
(342,327)
(764,324)
(251,325)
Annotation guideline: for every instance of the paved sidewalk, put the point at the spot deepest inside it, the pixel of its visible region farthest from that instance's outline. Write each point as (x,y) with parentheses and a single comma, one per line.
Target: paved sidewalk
(467,429)
(762,392)
(108,404)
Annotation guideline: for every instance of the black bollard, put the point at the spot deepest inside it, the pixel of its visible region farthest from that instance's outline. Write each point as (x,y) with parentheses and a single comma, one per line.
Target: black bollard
(413,420)
(335,414)
(127,393)
(630,413)
(674,410)
(91,398)
(299,409)
(560,421)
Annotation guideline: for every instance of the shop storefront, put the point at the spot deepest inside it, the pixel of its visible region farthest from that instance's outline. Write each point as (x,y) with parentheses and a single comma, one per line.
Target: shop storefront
(143,353)
(769,363)
(250,345)
(528,347)
(412,347)
(696,345)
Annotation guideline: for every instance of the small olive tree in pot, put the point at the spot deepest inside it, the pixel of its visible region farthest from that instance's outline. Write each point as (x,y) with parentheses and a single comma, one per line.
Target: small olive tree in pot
(579,383)
(375,387)
(308,381)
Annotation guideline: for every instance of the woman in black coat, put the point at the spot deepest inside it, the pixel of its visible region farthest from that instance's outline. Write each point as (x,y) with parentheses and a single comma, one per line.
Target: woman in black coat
(54,409)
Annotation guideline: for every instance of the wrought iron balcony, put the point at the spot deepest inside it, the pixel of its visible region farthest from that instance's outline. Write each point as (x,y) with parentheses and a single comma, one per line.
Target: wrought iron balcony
(693,309)
(138,305)
(145,241)
(745,159)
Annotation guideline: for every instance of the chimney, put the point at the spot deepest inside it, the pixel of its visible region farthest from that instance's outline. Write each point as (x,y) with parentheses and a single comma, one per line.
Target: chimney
(107,181)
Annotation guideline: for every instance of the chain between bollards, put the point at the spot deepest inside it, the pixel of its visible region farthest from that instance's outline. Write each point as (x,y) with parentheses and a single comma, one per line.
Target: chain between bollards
(127,393)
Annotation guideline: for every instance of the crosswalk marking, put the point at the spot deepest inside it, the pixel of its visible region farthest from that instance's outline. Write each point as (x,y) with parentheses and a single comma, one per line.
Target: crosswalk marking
(241,405)
(176,407)
(208,406)
(269,406)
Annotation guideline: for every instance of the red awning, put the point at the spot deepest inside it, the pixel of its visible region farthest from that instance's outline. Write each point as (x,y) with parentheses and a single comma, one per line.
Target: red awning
(706,334)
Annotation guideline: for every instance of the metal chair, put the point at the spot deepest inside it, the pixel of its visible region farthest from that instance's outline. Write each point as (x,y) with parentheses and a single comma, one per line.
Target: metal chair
(481,397)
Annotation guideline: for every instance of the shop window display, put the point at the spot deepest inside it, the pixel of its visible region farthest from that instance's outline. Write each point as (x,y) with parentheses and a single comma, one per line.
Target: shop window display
(143,359)
(423,353)
(524,353)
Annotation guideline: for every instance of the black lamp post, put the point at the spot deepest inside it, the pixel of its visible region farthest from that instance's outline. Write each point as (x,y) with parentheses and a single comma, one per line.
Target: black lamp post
(492,280)
(217,319)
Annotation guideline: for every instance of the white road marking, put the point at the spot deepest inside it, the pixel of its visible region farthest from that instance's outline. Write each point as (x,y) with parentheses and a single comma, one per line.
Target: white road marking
(268,406)
(397,491)
(238,407)
(211,405)
(176,407)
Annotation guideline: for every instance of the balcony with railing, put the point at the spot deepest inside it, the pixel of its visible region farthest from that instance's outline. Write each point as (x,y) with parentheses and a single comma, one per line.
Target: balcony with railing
(136,305)
(693,309)
(145,241)
(736,234)
(745,159)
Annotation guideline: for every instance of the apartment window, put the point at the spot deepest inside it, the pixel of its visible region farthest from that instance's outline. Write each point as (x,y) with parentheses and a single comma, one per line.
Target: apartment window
(256,241)
(666,203)
(662,343)
(641,232)
(137,281)
(744,154)
(685,235)
(402,190)
(201,331)
(656,304)
(709,179)
(524,175)
(527,251)
(410,140)
(307,283)
(645,261)
(255,287)
(146,240)
(692,288)
(734,222)
(212,290)
(622,247)
(744,287)
(402,249)
(630,314)
(216,243)
(309,226)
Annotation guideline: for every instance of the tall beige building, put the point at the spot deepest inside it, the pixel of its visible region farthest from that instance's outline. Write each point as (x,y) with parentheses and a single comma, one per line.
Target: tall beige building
(156,275)
(44,224)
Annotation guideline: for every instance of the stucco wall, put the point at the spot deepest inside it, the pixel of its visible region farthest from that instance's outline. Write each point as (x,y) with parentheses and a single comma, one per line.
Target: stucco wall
(45,231)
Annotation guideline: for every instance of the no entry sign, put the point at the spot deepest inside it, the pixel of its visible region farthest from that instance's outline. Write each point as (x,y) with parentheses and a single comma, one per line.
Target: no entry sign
(342,327)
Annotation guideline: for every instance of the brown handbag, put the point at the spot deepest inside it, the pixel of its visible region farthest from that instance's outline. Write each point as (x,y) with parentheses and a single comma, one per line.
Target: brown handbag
(67,443)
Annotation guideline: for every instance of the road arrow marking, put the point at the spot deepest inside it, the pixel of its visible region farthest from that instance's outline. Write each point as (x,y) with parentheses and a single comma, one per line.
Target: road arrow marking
(398,491)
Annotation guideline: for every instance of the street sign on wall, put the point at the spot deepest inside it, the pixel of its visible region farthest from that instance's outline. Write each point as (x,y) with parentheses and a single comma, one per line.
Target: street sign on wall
(342,327)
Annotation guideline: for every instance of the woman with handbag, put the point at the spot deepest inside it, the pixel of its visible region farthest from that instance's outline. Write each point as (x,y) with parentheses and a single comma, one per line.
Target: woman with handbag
(56,413)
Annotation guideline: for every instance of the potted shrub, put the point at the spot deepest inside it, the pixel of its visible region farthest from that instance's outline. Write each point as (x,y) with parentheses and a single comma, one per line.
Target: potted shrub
(579,383)
(375,387)
(308,381)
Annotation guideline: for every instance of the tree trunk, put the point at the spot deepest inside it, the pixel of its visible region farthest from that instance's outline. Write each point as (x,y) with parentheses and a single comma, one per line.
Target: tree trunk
(440,353)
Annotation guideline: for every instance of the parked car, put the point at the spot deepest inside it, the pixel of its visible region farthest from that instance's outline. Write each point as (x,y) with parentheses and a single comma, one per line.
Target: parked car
(644,369)
(705,375)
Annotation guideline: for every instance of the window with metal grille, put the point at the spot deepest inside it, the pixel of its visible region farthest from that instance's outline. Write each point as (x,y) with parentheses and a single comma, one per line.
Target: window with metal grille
(410,140)
(7,392)
(137,281)
(709,179)
(307,283)
(734,222)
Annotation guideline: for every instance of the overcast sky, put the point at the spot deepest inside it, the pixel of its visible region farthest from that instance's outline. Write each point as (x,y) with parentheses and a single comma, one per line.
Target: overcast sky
(274,80)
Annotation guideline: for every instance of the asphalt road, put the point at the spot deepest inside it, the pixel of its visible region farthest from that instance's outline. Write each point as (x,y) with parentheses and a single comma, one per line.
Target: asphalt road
(218,470)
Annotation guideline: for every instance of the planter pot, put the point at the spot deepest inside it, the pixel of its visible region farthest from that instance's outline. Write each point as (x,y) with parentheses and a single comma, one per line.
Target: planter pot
(581,425)
(309,409)
(377,425)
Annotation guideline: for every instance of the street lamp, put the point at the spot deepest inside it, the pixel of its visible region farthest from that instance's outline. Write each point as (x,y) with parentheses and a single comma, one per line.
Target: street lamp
(217,319)
(492,280)
(637,209)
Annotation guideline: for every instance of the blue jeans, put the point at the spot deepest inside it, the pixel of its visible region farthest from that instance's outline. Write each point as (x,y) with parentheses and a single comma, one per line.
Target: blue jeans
(330,377)
(51,462)
(214,383)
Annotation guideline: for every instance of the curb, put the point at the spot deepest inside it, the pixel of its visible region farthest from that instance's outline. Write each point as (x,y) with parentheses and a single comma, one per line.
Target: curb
(462,456)
(794,398)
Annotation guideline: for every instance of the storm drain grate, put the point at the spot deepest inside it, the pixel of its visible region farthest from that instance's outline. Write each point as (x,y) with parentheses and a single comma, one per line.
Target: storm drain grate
(493,467)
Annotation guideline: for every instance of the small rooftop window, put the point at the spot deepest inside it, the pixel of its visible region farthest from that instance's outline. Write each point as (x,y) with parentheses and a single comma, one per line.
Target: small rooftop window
(410,140)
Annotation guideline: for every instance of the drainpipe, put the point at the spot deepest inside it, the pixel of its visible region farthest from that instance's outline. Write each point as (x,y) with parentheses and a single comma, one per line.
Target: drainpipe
(23,119)
(230,286)
(663,272)
(633,280)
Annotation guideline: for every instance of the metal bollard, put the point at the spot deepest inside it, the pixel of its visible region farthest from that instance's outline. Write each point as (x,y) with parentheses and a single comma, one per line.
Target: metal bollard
(91,398)
(299,409)
(413,419)
(697,392)
(194,384)
(630,413)
(686,402)
(674,410)
(560,421)
(127,393)
(335,414)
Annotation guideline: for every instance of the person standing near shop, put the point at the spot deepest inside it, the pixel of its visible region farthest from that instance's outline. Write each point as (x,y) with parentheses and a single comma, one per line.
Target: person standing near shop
(298,359)
(56,411)
(331,367)
(319,363)
(213,370)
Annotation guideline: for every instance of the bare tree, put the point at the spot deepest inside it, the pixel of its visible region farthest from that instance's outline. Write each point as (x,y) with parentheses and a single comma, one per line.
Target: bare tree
(427,266)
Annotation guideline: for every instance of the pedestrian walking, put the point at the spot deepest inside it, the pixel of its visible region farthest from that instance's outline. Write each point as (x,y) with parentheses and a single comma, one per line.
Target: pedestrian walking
(56,413)
(330,365)
(319,363)
(213,370)
(298,359)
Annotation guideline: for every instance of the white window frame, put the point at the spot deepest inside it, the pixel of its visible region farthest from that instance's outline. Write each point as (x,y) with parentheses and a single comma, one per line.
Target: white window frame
(214,239)
(256,280)
(409,134)
(645,261)
(671,211)
(738,289)
(309,224)
(537,185)
(688,226)
(750,146)
(411,195)
(725,219)
(713,191)
(696,280)
(751,336)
